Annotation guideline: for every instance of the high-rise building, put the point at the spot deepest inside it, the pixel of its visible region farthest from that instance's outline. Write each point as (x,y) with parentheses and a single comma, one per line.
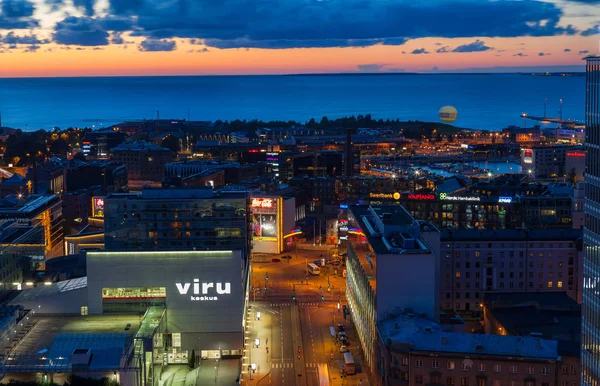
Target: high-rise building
(590,328)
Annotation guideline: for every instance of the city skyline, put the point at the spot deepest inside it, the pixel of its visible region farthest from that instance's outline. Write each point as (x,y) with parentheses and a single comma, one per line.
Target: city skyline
(41,38)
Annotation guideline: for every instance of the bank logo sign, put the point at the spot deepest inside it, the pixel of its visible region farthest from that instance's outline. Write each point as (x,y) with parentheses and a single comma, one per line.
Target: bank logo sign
(203,291)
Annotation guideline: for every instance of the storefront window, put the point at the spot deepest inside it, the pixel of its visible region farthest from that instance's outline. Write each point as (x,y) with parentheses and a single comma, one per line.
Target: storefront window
(134,293)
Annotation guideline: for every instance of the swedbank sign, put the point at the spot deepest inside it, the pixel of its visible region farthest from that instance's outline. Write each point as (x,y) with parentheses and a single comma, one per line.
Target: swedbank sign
(385,196)
(203,291)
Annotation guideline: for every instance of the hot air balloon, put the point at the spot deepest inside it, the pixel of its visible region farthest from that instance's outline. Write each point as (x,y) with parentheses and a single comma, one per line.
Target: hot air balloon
(448,114)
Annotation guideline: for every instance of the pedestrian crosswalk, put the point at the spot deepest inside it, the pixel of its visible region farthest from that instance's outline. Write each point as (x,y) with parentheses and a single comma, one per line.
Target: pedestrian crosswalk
(302,304)
(289,365)
(314,364)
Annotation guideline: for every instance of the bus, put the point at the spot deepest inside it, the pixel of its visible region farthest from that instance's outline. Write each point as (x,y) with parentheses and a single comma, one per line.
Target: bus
(349,367)
(313,269)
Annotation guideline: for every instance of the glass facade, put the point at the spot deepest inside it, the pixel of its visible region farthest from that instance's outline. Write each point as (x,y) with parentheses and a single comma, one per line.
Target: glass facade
(590,329)
(136,223)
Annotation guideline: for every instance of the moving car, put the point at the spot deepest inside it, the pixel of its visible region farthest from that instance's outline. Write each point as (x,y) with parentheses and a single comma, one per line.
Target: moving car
(343,349)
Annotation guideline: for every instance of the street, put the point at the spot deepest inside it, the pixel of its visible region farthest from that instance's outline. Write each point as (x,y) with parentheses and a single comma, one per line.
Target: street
(301,350)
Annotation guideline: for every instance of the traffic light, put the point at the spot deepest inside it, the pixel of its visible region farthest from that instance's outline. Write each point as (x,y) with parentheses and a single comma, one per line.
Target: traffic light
(328,284)
(320,288)
(267,278)
(294,296)
(322,297)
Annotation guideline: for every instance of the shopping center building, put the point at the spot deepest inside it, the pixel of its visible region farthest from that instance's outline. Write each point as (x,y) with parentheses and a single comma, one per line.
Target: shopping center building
(192,302)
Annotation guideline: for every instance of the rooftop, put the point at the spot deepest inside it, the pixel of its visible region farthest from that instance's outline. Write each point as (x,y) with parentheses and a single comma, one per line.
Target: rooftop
(554,315)
(43,290)
(138,146)
(54,340)
(422,334)
(510,235)
(32,204)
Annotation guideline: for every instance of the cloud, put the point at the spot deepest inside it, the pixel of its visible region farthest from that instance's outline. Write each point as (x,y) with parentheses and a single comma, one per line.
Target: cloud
(32,48)
(17,14)
(17,8)
(120,24)
(543,54)
(153,45)
(87,5)
(275,24)
(373,67)
(567,50)
(520,54)
(13,40)
(418,51)
(116,38)
(80,31)
(443,50)
(583,52)
(595,30)
(476,46)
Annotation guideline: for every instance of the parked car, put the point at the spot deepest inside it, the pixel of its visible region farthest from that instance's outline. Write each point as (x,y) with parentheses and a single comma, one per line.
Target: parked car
(343,348)
(340,327)
(317,263)
(275,260)
(286,257)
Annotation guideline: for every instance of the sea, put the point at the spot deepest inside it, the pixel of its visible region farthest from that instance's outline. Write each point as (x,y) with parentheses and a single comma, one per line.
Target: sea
(483,101)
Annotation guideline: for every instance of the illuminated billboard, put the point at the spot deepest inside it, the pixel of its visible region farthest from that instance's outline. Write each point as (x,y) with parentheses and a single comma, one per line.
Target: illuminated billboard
(528,156)
(265,222)
(97,206)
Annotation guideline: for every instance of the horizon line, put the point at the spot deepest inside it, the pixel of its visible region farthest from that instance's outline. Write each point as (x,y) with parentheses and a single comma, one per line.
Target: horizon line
(306,74)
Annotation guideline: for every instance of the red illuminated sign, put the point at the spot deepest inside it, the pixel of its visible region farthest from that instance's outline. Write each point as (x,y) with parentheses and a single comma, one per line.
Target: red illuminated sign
(262,202)
(421,197)
(98,207)
(575,154)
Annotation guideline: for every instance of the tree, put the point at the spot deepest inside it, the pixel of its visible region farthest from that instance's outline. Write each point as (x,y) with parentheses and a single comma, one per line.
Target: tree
(192,360)
(59,147)
(79,156)
(573,176)
(171,142)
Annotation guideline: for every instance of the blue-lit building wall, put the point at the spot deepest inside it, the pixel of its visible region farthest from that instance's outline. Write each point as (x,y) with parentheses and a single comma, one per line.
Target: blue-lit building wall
(590,329)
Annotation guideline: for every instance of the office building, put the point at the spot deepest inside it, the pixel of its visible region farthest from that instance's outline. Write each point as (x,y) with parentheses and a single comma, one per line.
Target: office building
(110,176)
(32,226)
(145,162)
(176,219)
(545,161)
(391,265)
(590,349)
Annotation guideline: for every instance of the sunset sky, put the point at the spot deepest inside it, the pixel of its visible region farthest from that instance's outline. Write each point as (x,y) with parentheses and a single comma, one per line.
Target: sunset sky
(170,37)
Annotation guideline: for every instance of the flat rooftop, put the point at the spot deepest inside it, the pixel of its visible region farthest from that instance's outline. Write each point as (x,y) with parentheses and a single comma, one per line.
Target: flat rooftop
(511,235)
(45,331)
(425,335)
(554,315)
(388,229)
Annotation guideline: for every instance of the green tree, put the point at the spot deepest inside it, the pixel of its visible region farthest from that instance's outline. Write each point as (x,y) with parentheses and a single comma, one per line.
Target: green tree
(171,142)
(192,360)
(573,176)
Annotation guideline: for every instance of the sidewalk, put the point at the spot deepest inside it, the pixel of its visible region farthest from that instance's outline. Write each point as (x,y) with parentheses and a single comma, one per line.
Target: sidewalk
(260,329)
